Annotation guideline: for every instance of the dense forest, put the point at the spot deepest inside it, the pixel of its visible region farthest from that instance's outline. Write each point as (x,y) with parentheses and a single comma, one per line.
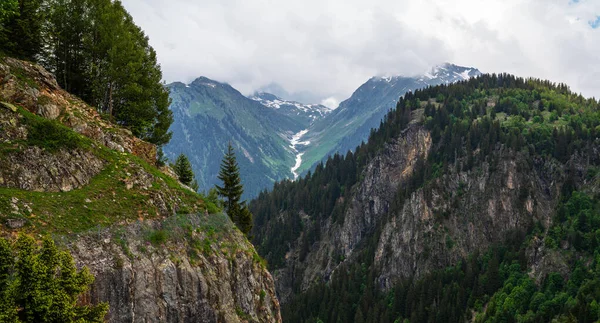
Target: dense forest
(96,52)
(470,122)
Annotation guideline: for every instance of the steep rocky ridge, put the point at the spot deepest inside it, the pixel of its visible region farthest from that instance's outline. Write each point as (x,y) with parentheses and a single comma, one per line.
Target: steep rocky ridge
(160,252)
(400,228)
(437,225)
(35,89)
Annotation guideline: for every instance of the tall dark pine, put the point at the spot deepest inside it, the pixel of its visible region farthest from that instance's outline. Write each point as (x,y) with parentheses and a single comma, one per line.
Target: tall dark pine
(232,191)
(23,30)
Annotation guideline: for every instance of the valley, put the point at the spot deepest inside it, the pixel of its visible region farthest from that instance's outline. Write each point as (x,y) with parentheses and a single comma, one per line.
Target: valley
(279,138)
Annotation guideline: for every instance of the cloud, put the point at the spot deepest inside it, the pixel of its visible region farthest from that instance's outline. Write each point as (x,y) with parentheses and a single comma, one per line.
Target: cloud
(331,102)
(330,47)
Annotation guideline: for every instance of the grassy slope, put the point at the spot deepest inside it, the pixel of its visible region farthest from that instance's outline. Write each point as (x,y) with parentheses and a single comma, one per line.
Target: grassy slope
(103,202)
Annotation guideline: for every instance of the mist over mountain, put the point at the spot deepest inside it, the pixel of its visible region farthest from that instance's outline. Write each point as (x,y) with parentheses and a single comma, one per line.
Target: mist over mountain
(276,137)
(305,97)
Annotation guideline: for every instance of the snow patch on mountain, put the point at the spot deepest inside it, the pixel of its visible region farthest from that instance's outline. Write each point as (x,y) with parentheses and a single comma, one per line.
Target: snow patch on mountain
(313,111)
(295,141)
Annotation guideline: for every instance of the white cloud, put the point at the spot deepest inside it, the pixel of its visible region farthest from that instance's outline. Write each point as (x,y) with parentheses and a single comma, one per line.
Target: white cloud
(331,103)
(330,47)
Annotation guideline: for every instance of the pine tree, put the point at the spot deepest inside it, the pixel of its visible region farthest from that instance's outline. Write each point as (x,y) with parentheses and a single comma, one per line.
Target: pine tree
(23,30)
(98,53)
(183,169)
(8,8)
(232,191)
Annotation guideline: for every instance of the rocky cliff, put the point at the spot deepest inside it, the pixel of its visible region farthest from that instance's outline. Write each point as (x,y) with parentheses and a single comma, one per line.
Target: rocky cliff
(437,225)
(186,268)
(157,253)
(426,200)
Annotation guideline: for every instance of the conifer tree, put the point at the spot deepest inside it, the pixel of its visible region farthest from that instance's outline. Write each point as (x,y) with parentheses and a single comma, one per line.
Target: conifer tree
(232,191)
(42,284)
(23,29)
(183,169)
(8,8)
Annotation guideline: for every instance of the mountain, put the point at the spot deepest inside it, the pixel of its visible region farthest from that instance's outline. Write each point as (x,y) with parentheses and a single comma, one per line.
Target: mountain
(475,201)
(305,114)
(278,138)
(159,252)
(351,123)
(208,114)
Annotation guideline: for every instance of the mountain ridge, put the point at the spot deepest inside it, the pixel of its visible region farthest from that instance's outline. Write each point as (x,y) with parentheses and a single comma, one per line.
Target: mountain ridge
(467,198)
(277,137)
(159,252)
(351,123)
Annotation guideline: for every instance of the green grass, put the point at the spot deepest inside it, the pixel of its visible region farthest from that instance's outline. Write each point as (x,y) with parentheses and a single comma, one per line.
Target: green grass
(103,202)
(158,237)
(51,134)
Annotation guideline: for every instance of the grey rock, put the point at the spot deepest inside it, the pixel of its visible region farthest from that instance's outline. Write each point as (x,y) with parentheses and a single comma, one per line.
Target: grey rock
(15,223)
(34,169)
(49,111)
(162,285)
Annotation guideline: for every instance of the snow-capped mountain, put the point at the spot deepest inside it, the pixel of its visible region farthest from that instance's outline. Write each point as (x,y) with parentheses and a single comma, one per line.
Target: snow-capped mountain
(449,73)
(350,124)
(304,113)
(277,138)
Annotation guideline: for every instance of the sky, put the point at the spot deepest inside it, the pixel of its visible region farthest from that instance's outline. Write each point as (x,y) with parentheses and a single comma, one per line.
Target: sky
(331,47)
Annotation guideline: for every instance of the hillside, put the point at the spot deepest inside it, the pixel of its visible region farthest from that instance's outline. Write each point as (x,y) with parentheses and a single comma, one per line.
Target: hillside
(209,114)
(160,252)
(351,123)
(475,201)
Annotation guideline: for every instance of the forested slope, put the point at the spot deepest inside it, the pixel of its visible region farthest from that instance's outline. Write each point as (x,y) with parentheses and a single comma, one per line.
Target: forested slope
(474,200)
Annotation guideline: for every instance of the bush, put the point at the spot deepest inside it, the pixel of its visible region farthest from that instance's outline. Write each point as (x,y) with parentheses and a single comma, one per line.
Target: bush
(52,135)
(158,237)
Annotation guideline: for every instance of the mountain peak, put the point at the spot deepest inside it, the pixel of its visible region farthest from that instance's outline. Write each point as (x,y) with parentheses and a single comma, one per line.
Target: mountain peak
(259,96)
(205,81)
(308,113)
(448,73)
(444,73)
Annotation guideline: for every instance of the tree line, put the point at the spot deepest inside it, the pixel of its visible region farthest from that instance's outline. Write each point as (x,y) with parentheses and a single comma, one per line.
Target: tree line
(96,52)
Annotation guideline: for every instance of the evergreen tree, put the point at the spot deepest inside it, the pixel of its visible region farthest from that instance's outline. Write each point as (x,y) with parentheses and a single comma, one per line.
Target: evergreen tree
(232,191)
(42,284)
(23,29)
(8,8)
(183,169)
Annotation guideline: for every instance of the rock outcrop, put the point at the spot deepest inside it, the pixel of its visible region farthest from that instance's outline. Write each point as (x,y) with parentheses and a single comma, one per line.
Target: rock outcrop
(207,276)
(35,89)
(34,169)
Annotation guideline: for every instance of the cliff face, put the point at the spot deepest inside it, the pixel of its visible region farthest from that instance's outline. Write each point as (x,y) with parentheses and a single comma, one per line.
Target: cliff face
(156,252)
(167,271)
(370,202)
(439,223)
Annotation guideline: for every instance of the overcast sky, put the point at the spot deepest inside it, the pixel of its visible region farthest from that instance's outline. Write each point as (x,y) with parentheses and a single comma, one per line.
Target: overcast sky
(330,47)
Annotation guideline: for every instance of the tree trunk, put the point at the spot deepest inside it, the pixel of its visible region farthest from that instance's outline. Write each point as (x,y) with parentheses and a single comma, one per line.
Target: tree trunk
(110,99)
